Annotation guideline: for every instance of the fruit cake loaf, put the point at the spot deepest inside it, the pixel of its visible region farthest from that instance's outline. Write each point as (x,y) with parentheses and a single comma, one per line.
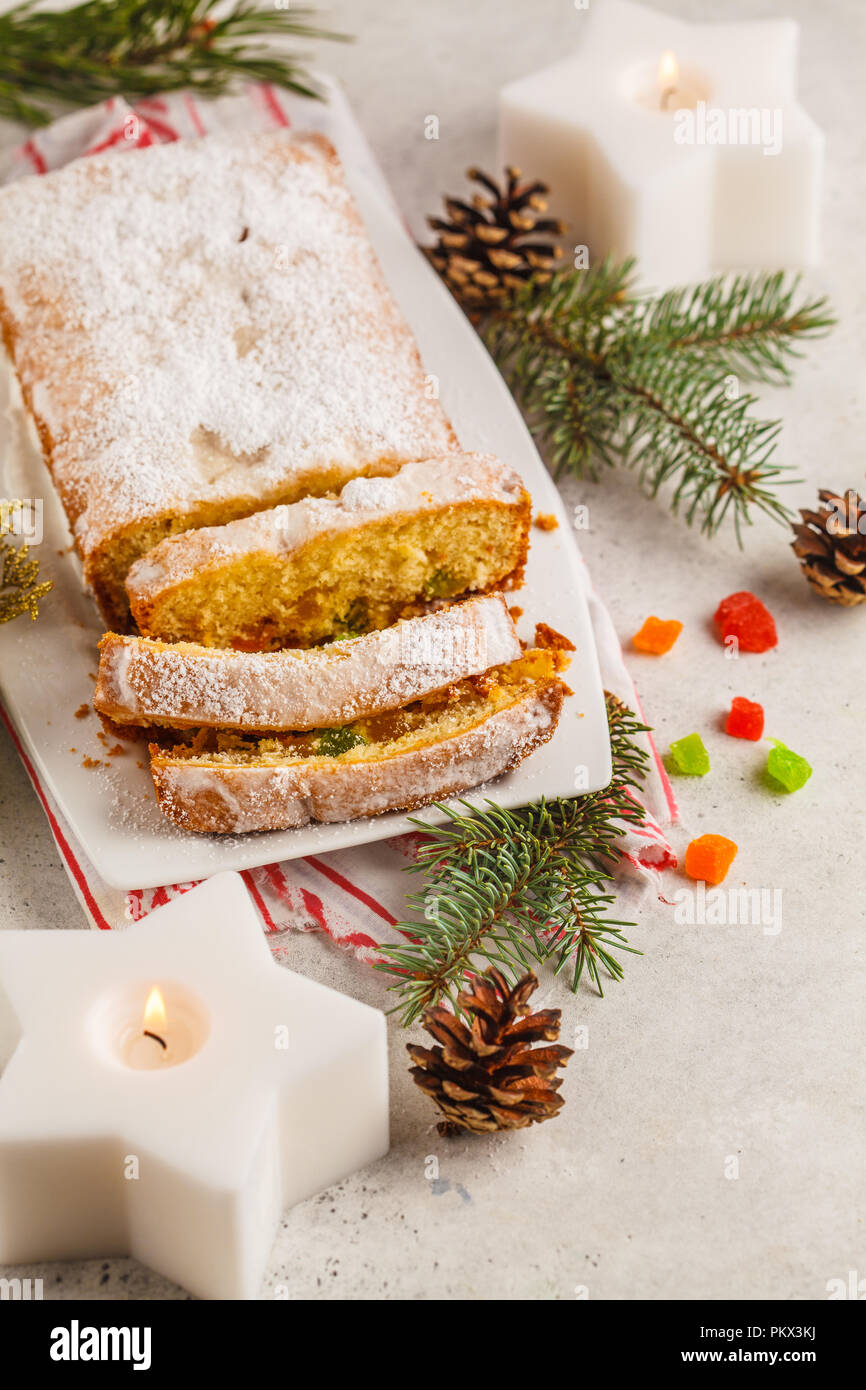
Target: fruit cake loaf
(143,683)
(318,569)
(199,330)
(456,739)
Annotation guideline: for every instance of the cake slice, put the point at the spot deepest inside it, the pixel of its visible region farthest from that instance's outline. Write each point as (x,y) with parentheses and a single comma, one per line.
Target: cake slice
(323,568)
(199,330)
(447,742)
(144,684)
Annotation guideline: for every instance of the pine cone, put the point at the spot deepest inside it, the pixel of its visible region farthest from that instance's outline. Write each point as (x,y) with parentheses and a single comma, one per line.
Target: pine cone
(831,547)
(483,253)
(491,1077)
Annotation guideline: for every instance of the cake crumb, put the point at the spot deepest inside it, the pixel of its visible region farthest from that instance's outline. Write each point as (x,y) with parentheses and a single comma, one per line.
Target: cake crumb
(516,612)
(91,762)
(82,711)
(549,637)
(546,521)
(92,675)
(117,750)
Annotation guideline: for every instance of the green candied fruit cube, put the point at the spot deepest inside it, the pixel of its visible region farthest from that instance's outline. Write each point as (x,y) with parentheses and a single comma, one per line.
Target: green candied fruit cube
(333,743)
(787,767)
(690,755)
(441,584)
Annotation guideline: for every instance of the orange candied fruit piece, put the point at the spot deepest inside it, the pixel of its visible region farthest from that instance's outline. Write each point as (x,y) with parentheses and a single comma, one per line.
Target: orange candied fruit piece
(657,635)
(709,857)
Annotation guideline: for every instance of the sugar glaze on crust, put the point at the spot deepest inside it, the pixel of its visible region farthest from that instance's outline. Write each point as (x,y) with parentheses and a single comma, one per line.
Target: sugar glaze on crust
(427,485)
(234,799)
(181,685)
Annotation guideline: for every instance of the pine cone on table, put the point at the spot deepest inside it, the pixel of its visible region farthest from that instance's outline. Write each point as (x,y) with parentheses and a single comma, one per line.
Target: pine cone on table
(831,547)
(489,1076)
(491,246)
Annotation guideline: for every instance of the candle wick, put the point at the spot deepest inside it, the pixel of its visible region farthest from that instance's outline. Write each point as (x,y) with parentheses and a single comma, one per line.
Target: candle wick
(666,96)
(163,1044)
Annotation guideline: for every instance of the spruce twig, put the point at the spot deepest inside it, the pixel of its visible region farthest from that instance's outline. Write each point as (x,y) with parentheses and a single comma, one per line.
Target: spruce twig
(510,888)
(608,377)
(101,48)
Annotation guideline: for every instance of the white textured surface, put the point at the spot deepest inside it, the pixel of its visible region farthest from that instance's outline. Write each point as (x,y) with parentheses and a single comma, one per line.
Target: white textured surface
(722,1041)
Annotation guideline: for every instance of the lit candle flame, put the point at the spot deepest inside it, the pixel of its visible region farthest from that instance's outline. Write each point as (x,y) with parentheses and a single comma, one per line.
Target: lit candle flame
(154,1011)
(668,76)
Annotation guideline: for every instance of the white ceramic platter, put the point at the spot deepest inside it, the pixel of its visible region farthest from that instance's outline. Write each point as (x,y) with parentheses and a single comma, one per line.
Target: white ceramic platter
(46,668)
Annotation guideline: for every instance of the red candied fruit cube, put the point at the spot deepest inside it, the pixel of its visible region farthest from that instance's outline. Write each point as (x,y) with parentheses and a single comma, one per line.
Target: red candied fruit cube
(744,617)
(746,719)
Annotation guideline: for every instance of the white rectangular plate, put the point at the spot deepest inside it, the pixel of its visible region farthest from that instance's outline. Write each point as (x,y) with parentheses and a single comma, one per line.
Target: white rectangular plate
(46,668)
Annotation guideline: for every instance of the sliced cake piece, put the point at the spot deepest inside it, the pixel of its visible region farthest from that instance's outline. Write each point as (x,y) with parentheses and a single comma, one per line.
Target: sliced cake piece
(200,330)
(443,744)
(326,568)
(145,683)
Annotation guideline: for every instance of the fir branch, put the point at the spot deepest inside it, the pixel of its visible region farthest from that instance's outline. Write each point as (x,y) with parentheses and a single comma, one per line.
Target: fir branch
(20,589)
(102,48)
(509,888)
(749,325)
(607,377)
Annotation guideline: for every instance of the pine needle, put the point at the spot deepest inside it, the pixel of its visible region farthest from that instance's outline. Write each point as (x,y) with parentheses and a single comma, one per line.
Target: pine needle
(102,48)
(607,377)
(513,888)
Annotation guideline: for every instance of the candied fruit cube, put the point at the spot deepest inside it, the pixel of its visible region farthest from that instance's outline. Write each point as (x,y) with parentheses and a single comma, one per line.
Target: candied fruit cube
(787,767)
(744,617)
(746,719)
(690,755)
(709,857)
(657,635)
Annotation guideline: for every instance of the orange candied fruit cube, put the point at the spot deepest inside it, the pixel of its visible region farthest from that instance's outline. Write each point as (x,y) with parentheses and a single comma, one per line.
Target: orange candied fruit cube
(709,857)
(657,635)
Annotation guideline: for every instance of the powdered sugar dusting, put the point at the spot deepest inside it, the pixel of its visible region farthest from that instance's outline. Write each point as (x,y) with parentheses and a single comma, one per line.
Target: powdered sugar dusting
(205,321)
(336,684)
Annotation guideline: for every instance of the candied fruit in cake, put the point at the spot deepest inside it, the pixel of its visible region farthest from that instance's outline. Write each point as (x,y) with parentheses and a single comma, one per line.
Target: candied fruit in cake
(690,756)
(787,767)
(709,857)
(746,719)
(745,617)
(657,635)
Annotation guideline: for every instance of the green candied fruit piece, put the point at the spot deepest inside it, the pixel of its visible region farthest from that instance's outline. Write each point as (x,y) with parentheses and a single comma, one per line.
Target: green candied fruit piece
(332,743)
(351,624)
(787,767)
(441,584)
(690,755)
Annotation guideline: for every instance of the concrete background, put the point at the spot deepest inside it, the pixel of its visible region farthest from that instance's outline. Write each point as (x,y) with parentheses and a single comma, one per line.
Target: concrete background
(724,1041)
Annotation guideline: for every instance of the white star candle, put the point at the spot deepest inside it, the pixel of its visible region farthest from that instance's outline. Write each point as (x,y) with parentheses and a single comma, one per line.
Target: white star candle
(168,1090)
(681,144)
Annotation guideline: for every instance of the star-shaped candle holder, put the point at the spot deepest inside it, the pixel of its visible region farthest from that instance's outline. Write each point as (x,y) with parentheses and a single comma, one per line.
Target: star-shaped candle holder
(168,1090)
(681,144)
